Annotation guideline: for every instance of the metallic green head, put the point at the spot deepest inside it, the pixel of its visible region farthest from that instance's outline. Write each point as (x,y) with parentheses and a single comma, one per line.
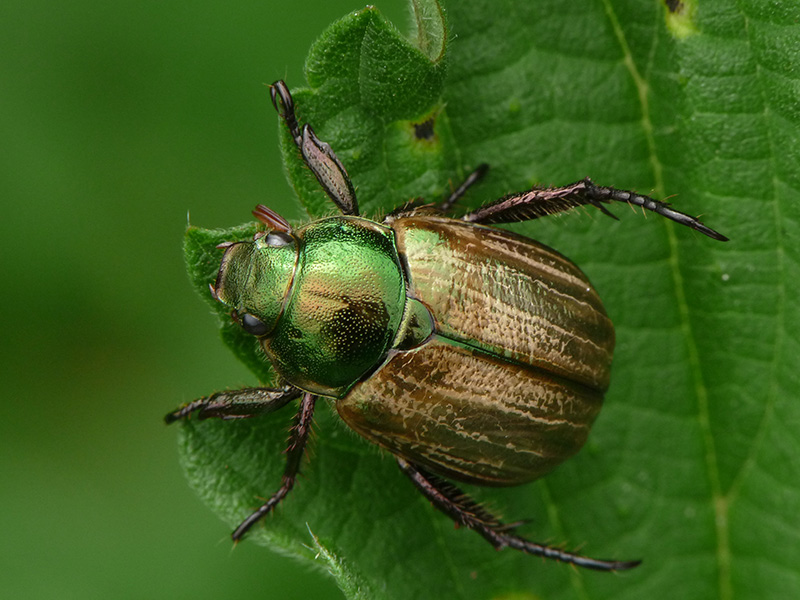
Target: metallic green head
(326,301)
(255,277)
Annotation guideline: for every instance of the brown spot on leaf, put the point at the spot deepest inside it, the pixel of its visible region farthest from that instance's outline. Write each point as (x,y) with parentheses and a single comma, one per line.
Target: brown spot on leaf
(424,130)
(674,6)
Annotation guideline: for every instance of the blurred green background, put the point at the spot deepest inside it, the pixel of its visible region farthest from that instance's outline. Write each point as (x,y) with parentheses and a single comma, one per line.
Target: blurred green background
(117,119)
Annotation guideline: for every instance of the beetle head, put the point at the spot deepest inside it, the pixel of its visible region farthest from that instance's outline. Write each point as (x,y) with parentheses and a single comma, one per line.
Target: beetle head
(254,279)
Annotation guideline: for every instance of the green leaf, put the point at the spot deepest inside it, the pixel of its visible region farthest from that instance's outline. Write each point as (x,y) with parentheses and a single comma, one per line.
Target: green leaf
(692,464)
(369,86)
(350,582)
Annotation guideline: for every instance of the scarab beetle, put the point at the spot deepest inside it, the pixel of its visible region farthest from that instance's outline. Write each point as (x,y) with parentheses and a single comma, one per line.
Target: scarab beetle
(468,352)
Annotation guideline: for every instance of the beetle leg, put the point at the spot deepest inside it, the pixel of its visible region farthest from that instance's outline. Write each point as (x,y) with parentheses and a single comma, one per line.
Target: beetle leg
(418,206)
(459,192)
(294,455)
(540,202)
(330,172)
(237,404)
(466,512)
(318,156)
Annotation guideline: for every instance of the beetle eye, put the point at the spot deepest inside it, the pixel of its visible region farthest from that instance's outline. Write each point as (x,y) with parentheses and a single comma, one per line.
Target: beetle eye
(252,325)
(278,238)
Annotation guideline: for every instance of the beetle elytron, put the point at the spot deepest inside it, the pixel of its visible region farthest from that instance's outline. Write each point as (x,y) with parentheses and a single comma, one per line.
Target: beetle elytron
(468,352)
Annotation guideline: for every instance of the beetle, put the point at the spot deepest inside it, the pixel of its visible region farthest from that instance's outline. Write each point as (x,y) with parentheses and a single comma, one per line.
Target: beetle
(469,352)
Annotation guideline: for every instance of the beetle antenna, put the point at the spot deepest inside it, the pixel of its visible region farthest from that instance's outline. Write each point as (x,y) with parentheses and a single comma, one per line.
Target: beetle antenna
(271,219)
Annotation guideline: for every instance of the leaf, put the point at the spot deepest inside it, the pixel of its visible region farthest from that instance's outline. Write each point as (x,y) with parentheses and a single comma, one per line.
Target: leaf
(369,88)
(692,464)
(349,581)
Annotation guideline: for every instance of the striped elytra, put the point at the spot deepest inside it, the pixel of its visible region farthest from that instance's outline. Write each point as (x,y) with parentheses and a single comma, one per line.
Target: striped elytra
(514,374)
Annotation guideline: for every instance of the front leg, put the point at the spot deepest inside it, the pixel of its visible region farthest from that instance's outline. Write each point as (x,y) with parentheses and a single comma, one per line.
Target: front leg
(295,451)
(236,404)
(252,402)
